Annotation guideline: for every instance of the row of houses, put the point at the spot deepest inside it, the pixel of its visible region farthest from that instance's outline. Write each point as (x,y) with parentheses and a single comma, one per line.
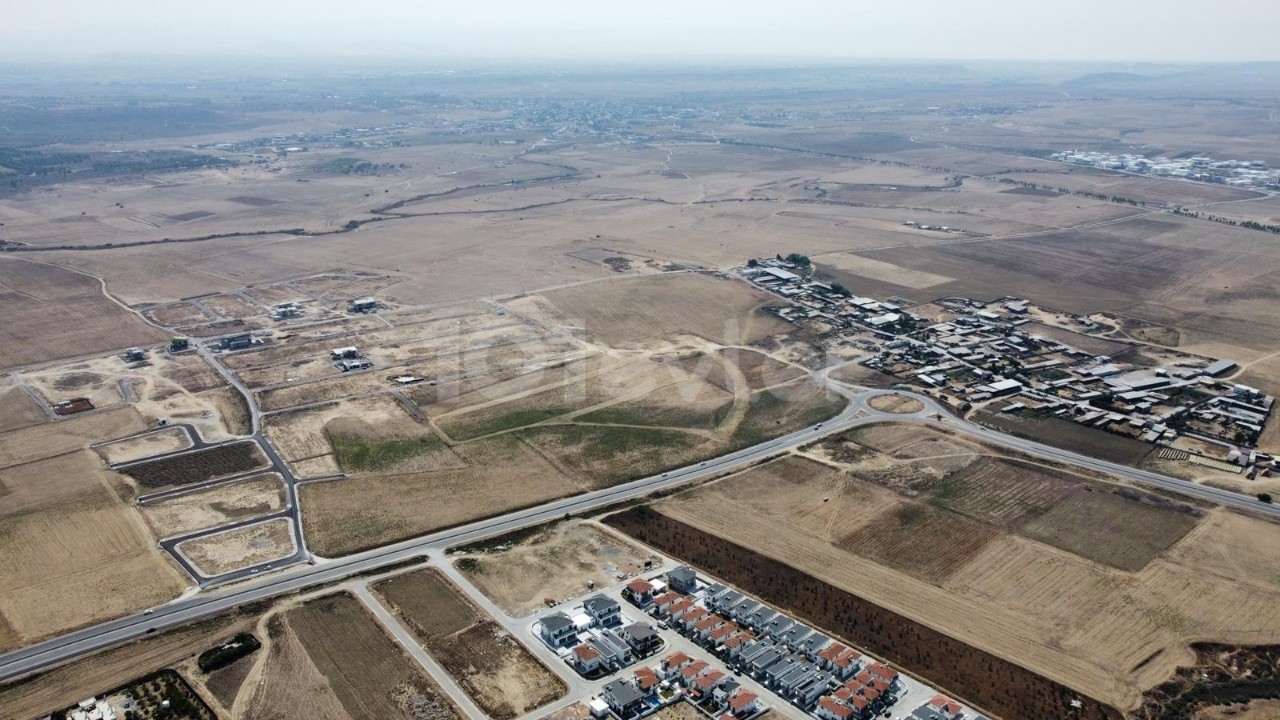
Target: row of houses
(799,664)
(677,678)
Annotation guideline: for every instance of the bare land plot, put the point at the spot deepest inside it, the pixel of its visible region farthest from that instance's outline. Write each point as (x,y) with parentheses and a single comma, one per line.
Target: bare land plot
(52,313)
(1080,341)
(198,466)
(635,311)
(368,673)
(154,443)
(556,563)
(760,370)
(499,674)
(216,506)
(1062,614)
(493,476)
(234,549)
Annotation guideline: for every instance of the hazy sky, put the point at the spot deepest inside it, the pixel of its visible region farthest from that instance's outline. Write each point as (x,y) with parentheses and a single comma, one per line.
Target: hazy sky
(1157,30)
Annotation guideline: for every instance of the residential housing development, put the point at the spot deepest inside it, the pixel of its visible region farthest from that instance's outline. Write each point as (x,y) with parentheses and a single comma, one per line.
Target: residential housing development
(755,658)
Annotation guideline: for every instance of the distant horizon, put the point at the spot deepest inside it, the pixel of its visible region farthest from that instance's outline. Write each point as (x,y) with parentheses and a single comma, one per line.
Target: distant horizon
(1104,31)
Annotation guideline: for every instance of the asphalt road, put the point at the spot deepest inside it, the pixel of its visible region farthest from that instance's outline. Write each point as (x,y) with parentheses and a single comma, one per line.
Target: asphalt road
(214,601)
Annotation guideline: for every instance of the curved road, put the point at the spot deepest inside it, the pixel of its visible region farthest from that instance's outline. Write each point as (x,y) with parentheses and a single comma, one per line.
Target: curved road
(858,413)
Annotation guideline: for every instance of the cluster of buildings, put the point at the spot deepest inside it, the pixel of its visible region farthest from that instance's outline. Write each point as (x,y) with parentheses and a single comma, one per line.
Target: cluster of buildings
(349,358)
(812,300)
(1239,173)
(819,675)
(998,355)
(596,638)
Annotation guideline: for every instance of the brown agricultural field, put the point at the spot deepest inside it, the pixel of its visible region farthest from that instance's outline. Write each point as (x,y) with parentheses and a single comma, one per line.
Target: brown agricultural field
(216,506)
(1078,621)
(1068,435)
(495,670)
(1136,532)
(920,541)
(198,466)
(495,476)
(557,562)
(368,673)
(51,313)
(289,682)
(242,547)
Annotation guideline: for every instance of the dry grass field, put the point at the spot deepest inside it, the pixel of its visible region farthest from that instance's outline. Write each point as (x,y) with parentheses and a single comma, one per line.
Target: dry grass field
(365,670)
(18,410)
(1064,610)
(68,534)
(233,549)
(495,670)
(557,563)
(643,310)
(216,506)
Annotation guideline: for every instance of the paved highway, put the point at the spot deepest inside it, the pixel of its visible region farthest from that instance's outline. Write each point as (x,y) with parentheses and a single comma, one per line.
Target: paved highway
(211,602)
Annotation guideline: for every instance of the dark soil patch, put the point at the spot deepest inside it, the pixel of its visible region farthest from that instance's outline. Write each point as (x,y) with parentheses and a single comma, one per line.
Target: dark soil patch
(198,466)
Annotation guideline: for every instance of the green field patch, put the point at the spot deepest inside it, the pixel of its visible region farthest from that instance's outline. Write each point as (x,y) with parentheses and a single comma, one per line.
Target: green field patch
(357,453)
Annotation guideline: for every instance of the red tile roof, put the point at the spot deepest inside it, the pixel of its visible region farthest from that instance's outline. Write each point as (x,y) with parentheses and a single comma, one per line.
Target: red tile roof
(710,679)
(640,585)
(693,668)
(832,651)
(944,705)
(741,699)
(647,678)
(835,708)
(586,653)
(675,658)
